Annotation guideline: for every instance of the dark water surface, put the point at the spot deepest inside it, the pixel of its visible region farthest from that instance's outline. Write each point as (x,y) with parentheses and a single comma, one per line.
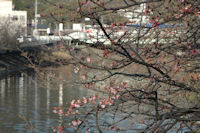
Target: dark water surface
(26,99)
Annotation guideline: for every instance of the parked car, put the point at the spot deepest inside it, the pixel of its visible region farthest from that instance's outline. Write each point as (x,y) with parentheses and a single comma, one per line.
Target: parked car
(51,34)
(30,38)
(20,39)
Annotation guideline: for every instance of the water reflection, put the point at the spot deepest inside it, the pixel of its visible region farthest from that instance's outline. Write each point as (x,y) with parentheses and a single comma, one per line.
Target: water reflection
(28,95)
(2,90)
(60,94)
(48,101)
(21,92)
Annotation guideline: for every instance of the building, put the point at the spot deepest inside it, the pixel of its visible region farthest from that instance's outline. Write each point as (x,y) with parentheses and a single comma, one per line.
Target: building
(135,14)
(10,17)
(6,6)
(42,29)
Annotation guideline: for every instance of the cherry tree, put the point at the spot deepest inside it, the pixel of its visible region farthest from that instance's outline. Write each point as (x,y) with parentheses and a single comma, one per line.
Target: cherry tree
(143,66)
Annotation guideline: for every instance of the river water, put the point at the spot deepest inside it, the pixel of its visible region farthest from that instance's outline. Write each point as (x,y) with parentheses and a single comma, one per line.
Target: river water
(27,100)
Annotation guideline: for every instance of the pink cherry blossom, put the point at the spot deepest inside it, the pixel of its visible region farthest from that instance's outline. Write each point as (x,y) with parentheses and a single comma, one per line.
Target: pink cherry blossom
(84,3)
(72,102)
(76,123)
(90,98)
(111,64)
(78,101)
(71,49)
(59,112)
(103,106)
(76,105)
(119,88)
(113,128)
(180,1)
(76,70)
(88,130)
(67,114)
(84,100)
(83,77)
(54,111)
(112,90)
(88,59)
(94,97)
(125,85)
(60,129)
(116,97)
(182,79)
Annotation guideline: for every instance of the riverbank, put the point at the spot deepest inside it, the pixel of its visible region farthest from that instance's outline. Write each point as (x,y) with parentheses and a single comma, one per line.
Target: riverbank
(29,59)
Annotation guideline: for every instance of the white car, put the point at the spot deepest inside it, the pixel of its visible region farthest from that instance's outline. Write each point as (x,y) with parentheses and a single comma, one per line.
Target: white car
(20,39)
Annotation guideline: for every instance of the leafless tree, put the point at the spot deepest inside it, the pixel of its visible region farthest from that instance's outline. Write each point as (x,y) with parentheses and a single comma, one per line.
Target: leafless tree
(145,71)
(8,35)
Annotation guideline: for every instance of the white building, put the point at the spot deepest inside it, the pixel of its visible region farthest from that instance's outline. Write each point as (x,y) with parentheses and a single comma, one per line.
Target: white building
(5,6)
(16,19)
(136,14)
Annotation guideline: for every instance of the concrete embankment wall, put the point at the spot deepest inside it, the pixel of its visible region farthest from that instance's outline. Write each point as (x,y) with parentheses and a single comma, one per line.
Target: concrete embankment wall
(18,59)
(31,57)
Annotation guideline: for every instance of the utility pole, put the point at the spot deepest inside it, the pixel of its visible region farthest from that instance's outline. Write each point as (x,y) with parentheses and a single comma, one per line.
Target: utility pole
(35,15)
